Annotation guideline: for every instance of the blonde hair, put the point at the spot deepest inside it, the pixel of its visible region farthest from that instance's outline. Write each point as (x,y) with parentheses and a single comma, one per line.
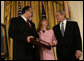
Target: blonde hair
(40,24)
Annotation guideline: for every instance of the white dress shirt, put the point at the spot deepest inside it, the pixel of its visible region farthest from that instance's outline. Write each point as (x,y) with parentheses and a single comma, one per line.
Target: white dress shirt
(24,18)
(64,22)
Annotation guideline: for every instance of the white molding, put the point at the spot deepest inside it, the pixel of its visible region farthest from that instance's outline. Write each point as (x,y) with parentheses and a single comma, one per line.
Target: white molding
(2,12)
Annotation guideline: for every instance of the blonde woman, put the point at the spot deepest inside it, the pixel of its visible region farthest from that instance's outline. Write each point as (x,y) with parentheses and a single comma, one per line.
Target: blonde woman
(47,35)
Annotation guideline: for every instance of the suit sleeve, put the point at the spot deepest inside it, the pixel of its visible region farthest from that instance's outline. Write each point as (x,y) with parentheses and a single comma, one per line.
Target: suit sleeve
(54,30)
(35,34)
(13,31)
(78,41)
(54,38)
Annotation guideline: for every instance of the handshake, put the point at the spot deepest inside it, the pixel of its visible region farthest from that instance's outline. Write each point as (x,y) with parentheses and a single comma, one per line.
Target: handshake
(40,42)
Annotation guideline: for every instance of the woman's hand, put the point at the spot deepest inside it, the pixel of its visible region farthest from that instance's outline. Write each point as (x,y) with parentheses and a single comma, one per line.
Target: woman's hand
(51,44)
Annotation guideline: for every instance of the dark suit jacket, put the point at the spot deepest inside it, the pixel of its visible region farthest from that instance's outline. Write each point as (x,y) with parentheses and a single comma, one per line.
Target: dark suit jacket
(19,30)
(71,41)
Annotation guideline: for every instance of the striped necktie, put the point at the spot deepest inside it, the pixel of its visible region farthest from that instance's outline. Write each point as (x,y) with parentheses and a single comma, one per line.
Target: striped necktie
(62,28)
(28,23)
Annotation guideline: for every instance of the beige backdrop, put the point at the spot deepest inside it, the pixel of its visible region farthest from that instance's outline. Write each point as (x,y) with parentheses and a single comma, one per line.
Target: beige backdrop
(76,9)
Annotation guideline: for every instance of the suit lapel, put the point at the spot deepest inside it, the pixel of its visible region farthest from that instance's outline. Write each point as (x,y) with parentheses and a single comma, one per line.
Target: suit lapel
(23,21)
(59,30)
(67,28)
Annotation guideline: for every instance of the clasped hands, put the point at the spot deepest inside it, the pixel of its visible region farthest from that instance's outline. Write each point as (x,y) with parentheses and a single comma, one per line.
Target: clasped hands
(28,38)
(51,44)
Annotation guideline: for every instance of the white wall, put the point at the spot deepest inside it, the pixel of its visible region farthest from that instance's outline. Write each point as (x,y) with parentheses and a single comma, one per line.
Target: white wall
(76,9)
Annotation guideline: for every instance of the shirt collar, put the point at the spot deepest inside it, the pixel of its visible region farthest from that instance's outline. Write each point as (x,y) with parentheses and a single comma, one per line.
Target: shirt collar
(24,18)
(64,21)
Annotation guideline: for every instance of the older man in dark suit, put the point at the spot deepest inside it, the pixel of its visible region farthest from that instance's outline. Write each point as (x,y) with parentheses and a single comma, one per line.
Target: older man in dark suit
(21,30)
(69,40)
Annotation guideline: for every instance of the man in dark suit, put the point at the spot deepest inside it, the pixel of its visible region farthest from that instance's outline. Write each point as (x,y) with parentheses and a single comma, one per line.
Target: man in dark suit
(21,30)
(69,39)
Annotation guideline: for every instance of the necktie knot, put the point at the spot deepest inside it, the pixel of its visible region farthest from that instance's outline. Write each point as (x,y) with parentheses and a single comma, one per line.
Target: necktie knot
(62,23)
(28,23)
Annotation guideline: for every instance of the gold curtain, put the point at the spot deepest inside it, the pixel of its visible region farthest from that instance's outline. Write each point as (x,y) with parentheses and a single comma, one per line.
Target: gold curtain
(11,10)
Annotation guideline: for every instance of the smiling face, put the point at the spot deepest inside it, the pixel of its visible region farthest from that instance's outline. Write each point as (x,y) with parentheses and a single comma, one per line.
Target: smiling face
(29,13)
(45,22)
(60,17)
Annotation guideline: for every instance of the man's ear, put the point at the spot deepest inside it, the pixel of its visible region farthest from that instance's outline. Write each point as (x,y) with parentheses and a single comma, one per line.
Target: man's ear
(64,16)
(26,11)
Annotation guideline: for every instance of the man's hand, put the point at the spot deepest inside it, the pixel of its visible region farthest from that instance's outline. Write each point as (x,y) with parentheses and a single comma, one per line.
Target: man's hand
(28,38)
(78,54)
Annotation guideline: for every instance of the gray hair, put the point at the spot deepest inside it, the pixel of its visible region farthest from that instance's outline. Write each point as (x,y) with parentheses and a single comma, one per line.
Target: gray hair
(62,13)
